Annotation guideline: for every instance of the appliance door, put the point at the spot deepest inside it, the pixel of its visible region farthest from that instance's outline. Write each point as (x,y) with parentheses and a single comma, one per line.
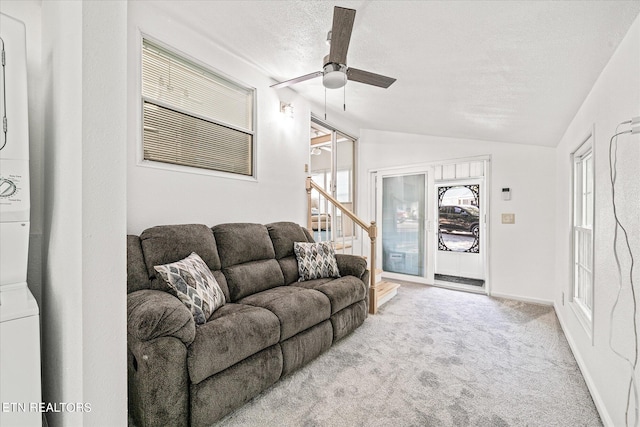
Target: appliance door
(20,389)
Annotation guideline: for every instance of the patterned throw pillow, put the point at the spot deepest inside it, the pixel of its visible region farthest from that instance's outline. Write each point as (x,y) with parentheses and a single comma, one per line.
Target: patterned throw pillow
(195,285)
(316,260)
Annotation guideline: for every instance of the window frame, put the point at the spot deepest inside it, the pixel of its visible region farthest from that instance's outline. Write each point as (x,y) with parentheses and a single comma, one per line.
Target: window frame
(141,99)
(585,151)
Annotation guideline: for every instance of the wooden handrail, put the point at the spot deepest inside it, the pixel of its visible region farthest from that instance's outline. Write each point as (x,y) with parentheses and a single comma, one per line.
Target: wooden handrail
(371,229)
(351,215)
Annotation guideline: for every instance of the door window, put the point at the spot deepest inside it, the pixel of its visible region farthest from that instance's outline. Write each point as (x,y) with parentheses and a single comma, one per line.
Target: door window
(403,224)
(459,218)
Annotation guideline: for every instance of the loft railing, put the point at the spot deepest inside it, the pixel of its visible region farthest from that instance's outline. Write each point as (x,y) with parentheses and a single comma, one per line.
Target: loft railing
(326,224)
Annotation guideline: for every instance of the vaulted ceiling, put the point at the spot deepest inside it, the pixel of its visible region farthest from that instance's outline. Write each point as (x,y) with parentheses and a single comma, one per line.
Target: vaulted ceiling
(510,71)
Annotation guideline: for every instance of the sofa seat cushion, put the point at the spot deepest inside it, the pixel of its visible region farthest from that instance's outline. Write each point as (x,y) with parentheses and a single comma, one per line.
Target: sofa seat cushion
(233,333)
(297,308)
(342,292)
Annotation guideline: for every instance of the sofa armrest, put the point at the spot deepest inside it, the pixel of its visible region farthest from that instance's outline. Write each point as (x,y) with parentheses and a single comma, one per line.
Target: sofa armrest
(153,314)
(158,383)
(159,329)
(351,265)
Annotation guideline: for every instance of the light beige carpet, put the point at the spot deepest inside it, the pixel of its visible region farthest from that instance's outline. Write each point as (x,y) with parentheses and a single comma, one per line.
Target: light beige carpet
(435,357)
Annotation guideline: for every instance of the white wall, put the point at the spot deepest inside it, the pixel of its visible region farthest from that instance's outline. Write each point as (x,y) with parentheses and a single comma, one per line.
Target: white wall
(104,121)
(62,252)
(521,264)
(614,98)
(84,286)
(156,196)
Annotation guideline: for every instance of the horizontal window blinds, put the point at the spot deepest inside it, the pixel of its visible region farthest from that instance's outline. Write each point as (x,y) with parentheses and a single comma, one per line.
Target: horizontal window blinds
(193,117)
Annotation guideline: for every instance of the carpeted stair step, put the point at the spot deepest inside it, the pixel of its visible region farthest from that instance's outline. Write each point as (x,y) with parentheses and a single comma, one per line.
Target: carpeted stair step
(339,246)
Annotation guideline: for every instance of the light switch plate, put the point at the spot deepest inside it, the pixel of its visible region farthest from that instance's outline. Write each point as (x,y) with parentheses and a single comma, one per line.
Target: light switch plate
(508,218)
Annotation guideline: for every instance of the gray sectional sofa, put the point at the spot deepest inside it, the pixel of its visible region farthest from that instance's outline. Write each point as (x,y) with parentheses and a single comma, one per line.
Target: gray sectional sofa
(180,373)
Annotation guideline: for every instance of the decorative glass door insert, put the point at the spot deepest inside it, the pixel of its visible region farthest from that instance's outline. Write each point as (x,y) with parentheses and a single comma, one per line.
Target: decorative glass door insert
(459,218)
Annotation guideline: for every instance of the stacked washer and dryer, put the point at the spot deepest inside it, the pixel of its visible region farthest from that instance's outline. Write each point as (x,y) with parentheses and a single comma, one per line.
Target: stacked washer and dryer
(20,384)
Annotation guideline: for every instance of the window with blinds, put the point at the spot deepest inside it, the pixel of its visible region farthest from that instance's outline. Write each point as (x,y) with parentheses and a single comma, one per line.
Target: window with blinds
(193,116)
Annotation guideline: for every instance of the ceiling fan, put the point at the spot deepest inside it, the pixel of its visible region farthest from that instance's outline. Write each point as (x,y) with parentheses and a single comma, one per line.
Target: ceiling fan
(335,72)
(316,151)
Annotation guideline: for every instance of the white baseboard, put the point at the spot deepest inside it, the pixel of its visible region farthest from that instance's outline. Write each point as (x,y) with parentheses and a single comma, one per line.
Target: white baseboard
(521,298)
(597,399)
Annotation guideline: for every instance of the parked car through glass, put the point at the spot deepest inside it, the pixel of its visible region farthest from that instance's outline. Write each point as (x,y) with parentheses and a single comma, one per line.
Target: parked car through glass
(465,218)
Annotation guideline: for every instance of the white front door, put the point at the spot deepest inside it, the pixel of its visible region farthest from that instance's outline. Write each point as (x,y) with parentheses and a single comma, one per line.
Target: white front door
(461,232)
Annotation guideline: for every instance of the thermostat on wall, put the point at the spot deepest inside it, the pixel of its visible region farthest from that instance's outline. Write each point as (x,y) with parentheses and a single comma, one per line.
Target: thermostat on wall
(506,194)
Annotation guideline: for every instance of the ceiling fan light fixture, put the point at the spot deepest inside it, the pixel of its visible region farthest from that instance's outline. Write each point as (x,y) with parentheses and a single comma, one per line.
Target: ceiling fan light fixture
(334,72)
(334,76)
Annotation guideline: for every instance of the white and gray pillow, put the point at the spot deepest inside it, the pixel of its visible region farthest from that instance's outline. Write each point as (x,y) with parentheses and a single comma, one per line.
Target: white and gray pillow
(195,286)
(316,260)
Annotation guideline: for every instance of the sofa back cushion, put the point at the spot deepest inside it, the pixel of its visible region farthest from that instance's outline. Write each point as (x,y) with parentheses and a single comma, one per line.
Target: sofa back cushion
(248,259)
(137,274)
(165,244)
(242,242)
(252,277)
(283,235)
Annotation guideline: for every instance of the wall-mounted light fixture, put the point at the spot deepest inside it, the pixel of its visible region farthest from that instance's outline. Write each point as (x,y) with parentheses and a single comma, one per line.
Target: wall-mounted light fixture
(286,108)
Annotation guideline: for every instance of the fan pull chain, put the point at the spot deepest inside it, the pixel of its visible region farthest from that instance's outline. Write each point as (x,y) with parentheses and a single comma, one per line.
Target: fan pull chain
(344,98)
(325,103)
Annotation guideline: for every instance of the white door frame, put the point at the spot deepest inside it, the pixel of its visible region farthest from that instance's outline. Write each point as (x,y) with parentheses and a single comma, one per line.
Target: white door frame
(428,236)
(481,181)
(431,217)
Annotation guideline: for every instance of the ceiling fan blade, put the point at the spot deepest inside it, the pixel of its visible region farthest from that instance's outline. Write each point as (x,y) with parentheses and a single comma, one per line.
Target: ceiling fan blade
(341,34)
(369,78)
(297,80)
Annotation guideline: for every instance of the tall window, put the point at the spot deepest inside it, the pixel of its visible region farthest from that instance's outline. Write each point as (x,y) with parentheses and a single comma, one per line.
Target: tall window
(193,116)
(583,198)
(333,160)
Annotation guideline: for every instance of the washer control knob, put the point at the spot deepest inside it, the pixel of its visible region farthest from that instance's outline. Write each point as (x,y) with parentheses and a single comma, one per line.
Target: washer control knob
(7,188)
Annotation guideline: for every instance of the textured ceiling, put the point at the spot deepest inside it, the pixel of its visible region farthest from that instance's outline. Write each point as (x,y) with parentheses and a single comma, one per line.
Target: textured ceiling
(511,71)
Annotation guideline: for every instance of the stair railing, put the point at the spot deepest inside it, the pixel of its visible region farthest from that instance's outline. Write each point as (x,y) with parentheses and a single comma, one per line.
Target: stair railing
(371,229)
